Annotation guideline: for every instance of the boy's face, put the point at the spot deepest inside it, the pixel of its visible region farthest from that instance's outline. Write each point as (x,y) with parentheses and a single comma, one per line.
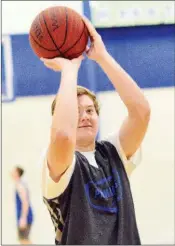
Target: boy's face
(14,174)
(88,120)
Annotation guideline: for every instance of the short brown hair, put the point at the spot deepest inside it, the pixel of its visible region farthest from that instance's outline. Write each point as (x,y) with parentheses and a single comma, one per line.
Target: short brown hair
(81,91)
(20,171)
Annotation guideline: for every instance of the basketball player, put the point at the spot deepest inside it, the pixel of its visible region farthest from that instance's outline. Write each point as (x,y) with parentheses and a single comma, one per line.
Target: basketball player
(85,182)
(23,207)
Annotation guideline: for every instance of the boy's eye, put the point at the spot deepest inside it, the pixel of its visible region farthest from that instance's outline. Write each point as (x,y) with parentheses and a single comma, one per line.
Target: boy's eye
(90,110)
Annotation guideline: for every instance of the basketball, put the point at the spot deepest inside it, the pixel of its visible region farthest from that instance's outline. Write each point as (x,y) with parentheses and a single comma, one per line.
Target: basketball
(58,32)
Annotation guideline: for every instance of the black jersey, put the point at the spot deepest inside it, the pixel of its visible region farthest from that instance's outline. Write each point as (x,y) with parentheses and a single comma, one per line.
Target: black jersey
(97,205)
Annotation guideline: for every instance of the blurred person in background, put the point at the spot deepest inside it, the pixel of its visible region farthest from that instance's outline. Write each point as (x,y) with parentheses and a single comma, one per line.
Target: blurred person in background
(85,182)
(24,213)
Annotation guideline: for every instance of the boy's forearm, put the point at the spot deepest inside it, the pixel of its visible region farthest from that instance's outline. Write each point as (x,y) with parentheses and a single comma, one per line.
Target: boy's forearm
(65,116)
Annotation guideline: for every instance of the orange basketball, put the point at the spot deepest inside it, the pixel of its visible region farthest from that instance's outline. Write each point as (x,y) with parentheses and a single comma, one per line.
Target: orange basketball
(58,32)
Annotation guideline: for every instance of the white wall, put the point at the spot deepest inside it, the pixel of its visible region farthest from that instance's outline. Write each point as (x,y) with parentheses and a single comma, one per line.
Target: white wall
(25,132)
(17,16)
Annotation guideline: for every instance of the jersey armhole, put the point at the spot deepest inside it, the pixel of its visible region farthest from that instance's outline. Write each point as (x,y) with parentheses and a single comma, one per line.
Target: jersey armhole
(129,164)
(52,189)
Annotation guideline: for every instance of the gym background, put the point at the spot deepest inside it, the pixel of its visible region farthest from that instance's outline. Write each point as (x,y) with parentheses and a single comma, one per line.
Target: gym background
(141,37)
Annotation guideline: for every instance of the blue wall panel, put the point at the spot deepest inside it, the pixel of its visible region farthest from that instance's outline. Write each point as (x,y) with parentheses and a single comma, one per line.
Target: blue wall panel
(3,77)
(146,52)
(30,75)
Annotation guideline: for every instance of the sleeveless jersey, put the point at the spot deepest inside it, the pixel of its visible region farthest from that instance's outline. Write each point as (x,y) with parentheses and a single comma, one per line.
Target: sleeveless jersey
(97,205)
(19,207)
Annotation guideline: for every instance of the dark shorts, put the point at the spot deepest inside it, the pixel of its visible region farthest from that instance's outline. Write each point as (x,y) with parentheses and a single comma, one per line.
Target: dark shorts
(24,233)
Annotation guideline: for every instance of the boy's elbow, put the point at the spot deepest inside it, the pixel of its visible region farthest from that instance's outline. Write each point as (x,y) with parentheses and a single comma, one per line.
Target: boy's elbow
(141,112)
(147,112)
(62,137)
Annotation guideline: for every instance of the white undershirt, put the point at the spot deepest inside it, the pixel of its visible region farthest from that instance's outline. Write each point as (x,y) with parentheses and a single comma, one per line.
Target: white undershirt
(90,156)
(52,189)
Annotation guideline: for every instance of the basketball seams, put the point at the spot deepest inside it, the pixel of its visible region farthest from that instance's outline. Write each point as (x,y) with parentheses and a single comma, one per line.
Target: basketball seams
(36,41)
(75,55)
(65,37)
(51,35)
(40,44)
(39,20)
(76,41)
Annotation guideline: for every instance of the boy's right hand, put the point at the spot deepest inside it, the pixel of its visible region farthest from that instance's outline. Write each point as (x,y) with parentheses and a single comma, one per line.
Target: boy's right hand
(59,64)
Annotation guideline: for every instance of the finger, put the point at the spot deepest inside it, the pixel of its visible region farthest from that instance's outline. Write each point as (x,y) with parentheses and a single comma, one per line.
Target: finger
(47,65)
(51,63)
(44,59)
(87,48)
(51,60)
(88,53)
(92,38)
(81,57)
(89,26)
(55,68)
(88,23)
